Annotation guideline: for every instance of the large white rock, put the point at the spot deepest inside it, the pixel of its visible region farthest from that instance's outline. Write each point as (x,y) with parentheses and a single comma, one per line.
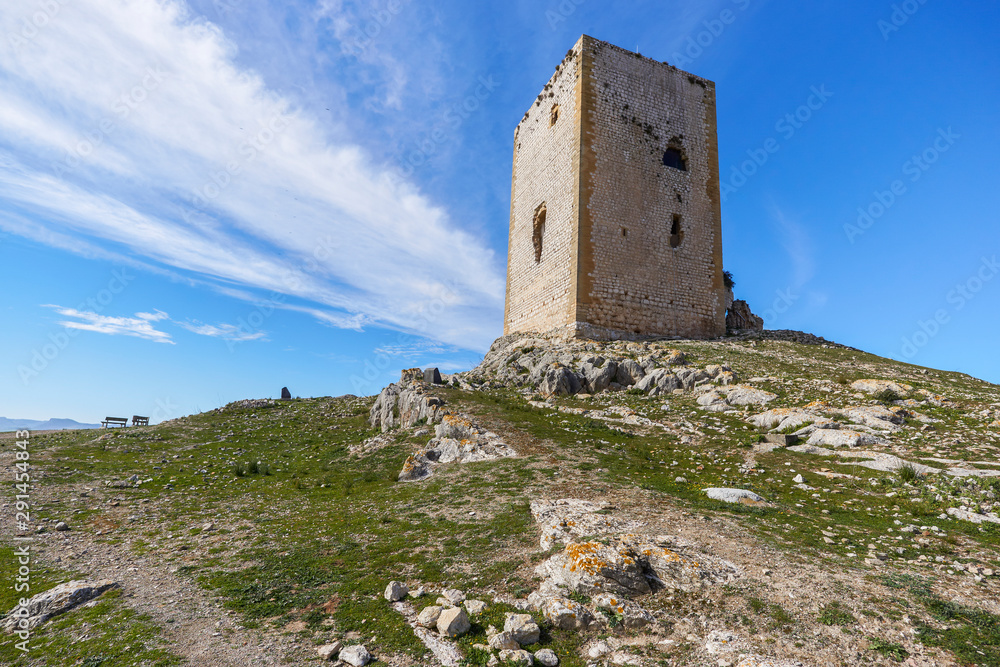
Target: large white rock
(733,495)
(546,657)
(453,622)
(841,437)
(522,628)
(744,395)
(517,657)
(428,616)
(356,656)
(53,602)
(395,591)
(504,641)
(566,614)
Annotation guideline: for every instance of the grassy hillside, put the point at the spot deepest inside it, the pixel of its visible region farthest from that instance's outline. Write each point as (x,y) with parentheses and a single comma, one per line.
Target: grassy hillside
(289,515)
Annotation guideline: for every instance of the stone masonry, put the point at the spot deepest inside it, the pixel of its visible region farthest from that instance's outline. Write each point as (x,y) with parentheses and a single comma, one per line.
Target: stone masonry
(615,226)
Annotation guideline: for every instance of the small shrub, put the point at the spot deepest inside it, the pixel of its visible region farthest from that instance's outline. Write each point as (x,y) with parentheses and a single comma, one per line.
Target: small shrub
(886,396)
(239,470)
(888,649)
(833,614)
(907,473)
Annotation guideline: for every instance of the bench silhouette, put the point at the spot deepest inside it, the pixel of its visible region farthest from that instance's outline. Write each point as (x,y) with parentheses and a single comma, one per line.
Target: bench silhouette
(120,422)
(140,421)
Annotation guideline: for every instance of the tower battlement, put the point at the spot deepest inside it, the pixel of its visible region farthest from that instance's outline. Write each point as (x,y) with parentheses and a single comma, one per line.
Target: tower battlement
(615,224)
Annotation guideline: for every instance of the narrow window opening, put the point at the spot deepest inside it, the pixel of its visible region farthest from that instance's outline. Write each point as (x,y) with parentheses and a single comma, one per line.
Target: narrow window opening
(624,233)
(554,115)
(676,232)
(673,158)
(538,230)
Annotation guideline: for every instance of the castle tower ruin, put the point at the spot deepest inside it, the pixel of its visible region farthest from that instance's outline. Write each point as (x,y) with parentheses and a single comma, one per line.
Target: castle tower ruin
(615,225)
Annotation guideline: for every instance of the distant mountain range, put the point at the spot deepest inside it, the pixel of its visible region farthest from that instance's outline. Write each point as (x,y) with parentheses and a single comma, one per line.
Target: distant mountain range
(47,425)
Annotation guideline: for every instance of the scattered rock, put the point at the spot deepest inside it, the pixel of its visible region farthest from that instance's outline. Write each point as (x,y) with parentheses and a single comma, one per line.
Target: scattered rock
(598,650)
(566,614)
(504,641)
(475,607)
(395,591)
(428,616)
(454,596)
(546,657)
(356,656)
(329,651)
(453,622)
(62,526)
(517,657)
(522,628)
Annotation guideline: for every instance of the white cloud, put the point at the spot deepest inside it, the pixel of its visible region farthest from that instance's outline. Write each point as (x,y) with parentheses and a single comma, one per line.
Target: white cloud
(228,332)
(87,320)
(127,127)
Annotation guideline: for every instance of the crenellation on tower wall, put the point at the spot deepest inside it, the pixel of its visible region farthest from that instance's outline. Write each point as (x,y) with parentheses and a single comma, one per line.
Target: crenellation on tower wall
(632,242)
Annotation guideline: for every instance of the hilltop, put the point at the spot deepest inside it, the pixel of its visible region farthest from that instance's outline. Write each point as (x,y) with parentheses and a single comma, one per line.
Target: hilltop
(761,499)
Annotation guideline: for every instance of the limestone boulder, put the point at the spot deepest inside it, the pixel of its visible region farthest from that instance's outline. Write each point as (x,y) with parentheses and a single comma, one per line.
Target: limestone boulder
(629,372)
(566,614)
(622,611)
(592,567)
(878,386)
(841,437)
(597,378)
(659,381)
(546,657)
(53,602)
(395,591)
(746,395)
(523,628)
(356,656)
(428,616)
(733,495)
(740,318)
(453,622)
(504,641)
(559,380)
(518,657)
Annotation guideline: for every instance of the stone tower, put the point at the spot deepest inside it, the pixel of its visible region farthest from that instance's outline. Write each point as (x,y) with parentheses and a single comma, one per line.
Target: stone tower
(615,220)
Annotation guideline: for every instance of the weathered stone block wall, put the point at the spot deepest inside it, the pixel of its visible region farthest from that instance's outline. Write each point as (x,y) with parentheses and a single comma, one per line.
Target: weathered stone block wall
(637,281)
(541,295)
(610,263)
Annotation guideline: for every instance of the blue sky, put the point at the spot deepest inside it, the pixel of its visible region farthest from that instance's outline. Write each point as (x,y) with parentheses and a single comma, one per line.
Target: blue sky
(205,201)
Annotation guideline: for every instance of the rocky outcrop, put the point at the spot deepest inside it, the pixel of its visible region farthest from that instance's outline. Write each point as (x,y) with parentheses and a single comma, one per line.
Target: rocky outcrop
(53,602)
(457,440)
(739,317)
(406,403)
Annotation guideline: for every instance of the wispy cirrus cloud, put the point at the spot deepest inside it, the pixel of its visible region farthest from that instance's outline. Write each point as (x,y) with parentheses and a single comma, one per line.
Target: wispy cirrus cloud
(128,128)
(228,332)
(140,326)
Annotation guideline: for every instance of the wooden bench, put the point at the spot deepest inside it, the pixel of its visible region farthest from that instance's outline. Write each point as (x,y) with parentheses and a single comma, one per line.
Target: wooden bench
(140,421)
(120,422)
